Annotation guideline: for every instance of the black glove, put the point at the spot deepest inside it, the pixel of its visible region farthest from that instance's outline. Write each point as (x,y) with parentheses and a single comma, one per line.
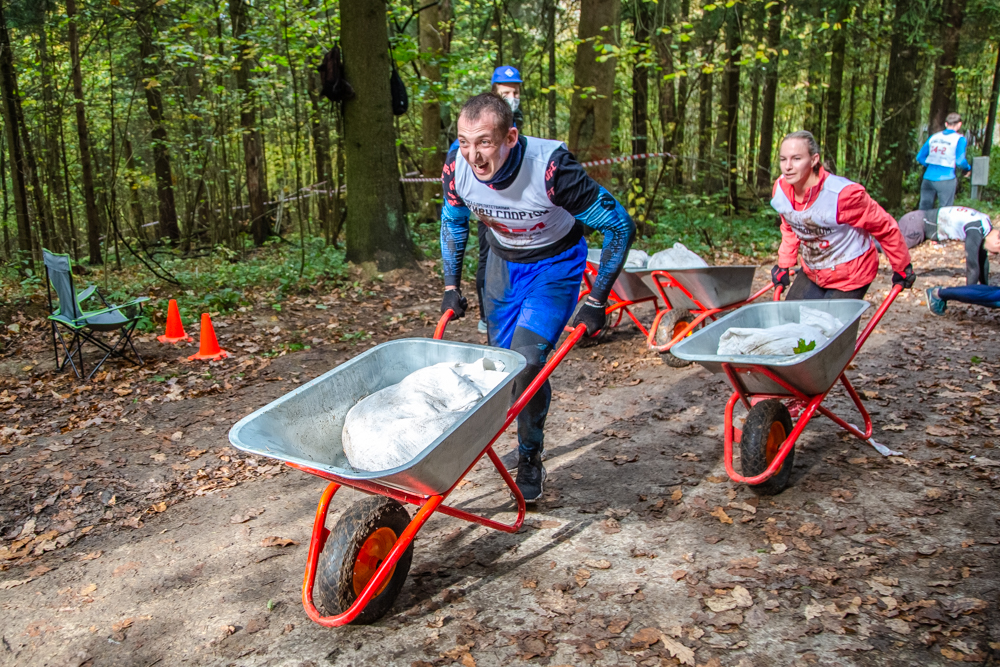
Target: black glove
(779,276)
(593,315)
(906,278)
(453,300)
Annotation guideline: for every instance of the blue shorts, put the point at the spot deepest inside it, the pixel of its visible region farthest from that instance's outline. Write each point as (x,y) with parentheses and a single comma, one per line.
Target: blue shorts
(539,296)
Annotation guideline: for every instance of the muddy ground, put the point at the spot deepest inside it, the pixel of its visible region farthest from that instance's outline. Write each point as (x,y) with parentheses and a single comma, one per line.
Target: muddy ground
(132,534)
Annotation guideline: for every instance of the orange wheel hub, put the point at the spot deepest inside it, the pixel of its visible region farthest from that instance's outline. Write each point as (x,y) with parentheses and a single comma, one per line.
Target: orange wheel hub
(372,553)
(775,437)
(679,329)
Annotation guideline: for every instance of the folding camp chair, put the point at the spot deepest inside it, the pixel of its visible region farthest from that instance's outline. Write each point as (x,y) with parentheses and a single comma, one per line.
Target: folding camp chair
(85,324)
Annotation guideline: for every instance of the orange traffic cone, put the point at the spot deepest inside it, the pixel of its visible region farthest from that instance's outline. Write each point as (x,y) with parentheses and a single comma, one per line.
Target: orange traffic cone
(175,328)
(208,346)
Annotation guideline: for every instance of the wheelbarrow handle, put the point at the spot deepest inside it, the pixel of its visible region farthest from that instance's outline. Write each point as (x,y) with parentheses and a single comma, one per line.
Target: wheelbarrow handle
(442,323)
(543,375)
(893,293)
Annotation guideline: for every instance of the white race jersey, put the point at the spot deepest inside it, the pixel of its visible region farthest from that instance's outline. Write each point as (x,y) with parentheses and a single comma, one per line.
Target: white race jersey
(952,222)
(521,216)
(824,243)
(943,149)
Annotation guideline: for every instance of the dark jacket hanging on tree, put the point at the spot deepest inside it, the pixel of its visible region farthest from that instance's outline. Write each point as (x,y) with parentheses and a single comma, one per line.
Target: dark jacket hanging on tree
(331,75)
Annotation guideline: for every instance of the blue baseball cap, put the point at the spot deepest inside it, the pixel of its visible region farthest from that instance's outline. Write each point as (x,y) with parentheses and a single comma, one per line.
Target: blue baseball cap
(505,74)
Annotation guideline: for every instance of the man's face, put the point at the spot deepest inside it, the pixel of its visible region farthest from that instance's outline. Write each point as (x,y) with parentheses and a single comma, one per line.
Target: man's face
(509,90)
(480,146)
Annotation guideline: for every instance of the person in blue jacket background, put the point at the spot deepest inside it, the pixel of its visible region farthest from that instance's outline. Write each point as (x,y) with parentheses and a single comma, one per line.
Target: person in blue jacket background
(941,154)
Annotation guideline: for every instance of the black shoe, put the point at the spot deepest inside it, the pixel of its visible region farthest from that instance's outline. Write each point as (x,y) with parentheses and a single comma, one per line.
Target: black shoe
(511,458)
(530,477)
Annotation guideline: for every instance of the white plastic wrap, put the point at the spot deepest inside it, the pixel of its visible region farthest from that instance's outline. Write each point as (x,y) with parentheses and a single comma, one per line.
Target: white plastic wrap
(678,257)
(390,427)
(813,326)
(637,259)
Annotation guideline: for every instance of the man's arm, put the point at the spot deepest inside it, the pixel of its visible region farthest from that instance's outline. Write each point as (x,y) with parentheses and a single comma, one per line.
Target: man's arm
(454,225)
(925,150)
(960,160)
(569,186)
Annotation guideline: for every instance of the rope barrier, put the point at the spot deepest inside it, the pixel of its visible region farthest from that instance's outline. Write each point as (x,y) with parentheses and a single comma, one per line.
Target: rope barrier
(585,165)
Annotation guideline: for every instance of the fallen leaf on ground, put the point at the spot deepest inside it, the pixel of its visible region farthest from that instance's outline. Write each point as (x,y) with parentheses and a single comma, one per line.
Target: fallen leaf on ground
(11,583)
(88,589)
(246,516)
(275,541)
(678,650)
(598,564)
(617,625)
(643,639)
(721,515)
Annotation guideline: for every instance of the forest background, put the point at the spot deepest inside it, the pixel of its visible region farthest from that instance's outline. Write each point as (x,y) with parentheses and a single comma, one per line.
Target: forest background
(184,147)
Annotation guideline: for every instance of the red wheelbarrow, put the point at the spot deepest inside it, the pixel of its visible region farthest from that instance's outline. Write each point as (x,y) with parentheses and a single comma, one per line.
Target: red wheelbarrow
(762,383)
(360,565)
(629,290)
(693,295)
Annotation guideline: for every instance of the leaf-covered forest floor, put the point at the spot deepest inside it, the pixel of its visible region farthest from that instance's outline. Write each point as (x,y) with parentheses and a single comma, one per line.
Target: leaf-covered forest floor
(131,533)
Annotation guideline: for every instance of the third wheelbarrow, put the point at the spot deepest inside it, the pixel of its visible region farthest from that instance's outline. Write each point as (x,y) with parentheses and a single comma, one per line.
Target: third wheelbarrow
(765,383)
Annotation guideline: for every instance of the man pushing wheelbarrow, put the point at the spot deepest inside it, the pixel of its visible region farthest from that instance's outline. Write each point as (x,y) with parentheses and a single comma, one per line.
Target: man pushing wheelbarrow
(535,198)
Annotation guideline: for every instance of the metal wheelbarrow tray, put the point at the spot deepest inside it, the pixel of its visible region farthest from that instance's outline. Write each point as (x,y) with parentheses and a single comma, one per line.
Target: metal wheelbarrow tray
(304,426)
(771,388)
(358,567)
(693,296)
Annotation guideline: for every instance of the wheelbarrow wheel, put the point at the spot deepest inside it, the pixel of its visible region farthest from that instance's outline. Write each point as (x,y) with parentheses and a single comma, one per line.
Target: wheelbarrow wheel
(766,427)
(675,321)
(358,543)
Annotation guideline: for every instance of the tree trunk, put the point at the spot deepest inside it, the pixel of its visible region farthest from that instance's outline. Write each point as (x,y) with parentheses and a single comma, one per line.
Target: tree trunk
(991,120)
(642,21)
(899,107)
(682,99)
(52,116)
(851,145)
(663,40)
(872,106)
(166,207)
(376,224)
(253,151)
(754,117)
(550,49)
(731,100)
(135,204)
(590,114)
(83,133)
(834,94)
(433,158)
(767,107)
(15,147)
(943,99)
(705,163)
(321,149)
(816,58)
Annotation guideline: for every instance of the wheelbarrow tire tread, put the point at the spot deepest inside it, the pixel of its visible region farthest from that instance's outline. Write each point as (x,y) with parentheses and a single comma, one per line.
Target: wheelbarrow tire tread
(753,446)
(335,571)
(665,333)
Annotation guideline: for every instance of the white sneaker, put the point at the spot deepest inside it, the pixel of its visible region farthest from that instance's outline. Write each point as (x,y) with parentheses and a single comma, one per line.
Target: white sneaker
(482,327)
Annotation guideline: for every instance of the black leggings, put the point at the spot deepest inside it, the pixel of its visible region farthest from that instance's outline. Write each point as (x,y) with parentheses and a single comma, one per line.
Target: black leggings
(484,254)
(803,289)
(531,420)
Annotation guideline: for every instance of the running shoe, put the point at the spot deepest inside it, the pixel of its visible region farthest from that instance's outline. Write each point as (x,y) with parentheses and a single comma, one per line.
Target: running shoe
(530,477)
(935,303)
(482,327)
(511,459)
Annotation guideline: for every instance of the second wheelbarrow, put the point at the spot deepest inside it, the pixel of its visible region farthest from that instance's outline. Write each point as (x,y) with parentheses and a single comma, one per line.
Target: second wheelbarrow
(692,296)
(360,565)
(769,385)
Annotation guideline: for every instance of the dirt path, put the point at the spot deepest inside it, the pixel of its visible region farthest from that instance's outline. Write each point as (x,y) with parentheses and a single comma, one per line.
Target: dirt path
(642,551)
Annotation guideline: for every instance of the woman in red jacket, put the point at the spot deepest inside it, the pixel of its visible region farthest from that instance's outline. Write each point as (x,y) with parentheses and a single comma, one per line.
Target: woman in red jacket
(827,223)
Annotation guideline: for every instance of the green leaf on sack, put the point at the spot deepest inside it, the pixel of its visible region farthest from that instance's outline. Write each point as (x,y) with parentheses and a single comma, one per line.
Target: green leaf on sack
(803,346)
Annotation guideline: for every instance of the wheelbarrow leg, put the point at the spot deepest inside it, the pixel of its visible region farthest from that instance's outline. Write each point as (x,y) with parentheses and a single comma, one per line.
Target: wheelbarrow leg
(318,540)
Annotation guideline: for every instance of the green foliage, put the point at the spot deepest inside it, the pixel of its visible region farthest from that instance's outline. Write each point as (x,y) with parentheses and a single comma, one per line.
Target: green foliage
(804,347)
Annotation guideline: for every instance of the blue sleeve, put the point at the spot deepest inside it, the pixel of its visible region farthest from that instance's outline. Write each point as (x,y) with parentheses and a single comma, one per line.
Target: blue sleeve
(454,224)
(960,160)
(610,217)
(454,235)
(925,150)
